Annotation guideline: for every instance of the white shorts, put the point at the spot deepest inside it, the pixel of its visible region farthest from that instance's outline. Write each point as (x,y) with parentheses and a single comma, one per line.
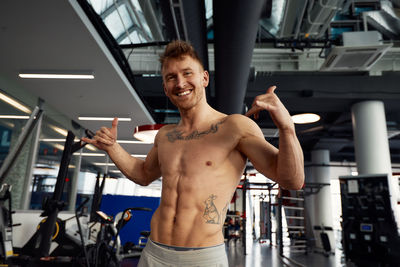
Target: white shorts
(159,255)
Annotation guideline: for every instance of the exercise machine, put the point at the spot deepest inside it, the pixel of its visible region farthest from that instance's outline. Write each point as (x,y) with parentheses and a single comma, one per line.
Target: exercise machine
(6,224)
(108,252)
(36,251)
(370,234)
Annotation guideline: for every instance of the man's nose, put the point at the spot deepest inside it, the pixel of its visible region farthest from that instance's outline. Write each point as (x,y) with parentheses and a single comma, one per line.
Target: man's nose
(181,82)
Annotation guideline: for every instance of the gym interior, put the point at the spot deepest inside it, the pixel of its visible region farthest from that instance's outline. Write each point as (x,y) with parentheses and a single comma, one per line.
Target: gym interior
(69,67)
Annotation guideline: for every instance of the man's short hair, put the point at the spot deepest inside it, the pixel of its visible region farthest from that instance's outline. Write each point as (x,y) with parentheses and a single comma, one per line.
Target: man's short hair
(177,49)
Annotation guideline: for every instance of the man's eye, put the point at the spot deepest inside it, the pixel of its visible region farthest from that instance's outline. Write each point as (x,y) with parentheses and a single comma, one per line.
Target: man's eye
(188,73)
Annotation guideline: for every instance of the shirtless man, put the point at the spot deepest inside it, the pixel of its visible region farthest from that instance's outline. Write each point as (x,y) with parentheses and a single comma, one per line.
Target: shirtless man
(201,160)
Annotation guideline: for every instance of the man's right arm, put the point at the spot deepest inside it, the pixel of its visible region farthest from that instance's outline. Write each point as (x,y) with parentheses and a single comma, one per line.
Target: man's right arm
(140,171)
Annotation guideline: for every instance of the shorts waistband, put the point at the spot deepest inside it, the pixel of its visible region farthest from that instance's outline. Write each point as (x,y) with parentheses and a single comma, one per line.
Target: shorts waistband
(180,248)
(183,254)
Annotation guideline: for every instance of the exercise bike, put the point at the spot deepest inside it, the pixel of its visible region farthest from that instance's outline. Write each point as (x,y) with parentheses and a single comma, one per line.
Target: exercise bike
(108,250)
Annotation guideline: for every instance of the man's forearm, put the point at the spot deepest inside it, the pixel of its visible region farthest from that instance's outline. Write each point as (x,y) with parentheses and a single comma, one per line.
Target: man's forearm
(130,166)
(290,167)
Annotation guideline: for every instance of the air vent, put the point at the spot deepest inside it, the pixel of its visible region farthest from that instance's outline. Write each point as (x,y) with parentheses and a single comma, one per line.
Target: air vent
(355,58)
(360,51)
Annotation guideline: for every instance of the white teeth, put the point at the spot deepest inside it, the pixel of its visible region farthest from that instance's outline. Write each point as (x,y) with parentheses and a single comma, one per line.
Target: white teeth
(184,93)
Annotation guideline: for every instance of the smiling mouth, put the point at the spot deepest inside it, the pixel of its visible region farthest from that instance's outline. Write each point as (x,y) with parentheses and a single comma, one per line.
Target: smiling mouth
(184,93)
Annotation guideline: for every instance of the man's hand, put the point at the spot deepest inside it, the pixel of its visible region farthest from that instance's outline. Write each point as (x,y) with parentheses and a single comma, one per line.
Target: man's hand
(105,138)
(270,101)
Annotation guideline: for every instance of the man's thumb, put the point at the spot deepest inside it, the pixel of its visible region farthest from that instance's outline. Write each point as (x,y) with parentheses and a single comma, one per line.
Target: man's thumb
(114,124)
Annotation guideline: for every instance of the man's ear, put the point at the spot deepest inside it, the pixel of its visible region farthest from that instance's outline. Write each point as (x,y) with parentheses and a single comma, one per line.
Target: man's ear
(206,79)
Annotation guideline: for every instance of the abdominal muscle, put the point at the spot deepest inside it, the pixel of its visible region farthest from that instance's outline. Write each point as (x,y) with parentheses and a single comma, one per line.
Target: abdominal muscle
(192,211)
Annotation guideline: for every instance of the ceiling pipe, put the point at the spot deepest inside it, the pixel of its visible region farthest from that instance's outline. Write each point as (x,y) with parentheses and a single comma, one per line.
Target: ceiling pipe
(192,19)
(196,25)
(235,31)
(195,19)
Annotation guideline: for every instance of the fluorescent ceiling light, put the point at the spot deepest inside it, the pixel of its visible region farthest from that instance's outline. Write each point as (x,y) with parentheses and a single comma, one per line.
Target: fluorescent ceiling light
(15,117)
(9,124)
(305,118)
(91,147)
(14,103)
(102,119)
(139,155)
(65,133)
(115,171)
(55,140)
(55,76)
(90,154)
(59,130)
(58,146)
(103,164)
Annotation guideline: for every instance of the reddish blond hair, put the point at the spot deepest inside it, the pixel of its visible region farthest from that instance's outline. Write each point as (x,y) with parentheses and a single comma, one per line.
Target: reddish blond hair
(178,49)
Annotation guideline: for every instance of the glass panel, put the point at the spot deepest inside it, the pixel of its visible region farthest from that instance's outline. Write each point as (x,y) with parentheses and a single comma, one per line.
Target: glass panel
(114,23)
(135,37)
(126,19)
(121,22)
(146,27)
(100,5)
(137,5)
(209,9)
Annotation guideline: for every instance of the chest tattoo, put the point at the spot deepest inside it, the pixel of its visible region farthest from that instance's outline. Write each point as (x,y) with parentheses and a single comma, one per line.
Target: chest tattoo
(178,135)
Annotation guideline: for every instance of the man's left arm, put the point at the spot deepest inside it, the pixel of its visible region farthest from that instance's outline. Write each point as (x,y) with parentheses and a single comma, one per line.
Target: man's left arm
(284,165)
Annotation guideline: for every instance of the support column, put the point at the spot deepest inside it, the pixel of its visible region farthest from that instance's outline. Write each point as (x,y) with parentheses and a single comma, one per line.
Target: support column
(73,190)
(372,146)
(30,165)
(321,210)
(233,52)
(17,173)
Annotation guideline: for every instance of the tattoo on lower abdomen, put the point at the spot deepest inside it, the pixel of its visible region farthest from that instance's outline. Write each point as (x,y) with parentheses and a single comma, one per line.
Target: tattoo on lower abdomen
(178,135)
(211,213)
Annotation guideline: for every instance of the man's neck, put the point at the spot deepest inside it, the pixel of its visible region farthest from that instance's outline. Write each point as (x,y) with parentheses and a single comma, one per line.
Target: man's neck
(195,117)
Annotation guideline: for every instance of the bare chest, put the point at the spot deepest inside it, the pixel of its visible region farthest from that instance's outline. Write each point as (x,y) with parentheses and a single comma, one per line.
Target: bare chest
(186,156)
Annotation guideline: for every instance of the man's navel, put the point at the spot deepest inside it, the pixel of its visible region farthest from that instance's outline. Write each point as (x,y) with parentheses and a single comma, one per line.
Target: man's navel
(208,163)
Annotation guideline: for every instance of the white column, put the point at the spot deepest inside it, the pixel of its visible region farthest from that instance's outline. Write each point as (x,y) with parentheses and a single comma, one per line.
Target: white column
(322,207)
(73,189)
(372,146)
(31,161)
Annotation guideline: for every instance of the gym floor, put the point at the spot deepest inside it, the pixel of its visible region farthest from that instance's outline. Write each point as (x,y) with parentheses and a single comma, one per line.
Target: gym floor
(265,255)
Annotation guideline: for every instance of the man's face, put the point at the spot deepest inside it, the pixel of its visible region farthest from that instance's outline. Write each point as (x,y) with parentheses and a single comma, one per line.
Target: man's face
(184,81)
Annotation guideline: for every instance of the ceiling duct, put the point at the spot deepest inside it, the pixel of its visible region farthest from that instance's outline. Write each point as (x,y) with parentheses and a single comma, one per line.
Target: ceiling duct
(233,52)
(386,20)
(319,15)
(292,16)
(360,51)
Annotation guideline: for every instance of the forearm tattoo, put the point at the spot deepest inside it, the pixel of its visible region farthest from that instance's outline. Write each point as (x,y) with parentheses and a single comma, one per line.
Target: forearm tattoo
(178,135)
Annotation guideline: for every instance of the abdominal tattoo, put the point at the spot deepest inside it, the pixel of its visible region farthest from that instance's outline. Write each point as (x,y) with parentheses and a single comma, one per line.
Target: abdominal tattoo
(211,214)
(178,135)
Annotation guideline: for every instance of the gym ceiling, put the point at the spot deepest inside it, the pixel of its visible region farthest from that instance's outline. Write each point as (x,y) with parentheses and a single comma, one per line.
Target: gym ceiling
(286,47)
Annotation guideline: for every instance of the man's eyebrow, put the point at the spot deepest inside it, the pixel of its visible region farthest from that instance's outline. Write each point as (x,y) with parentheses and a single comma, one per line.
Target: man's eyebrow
(169,74)
(188,69)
